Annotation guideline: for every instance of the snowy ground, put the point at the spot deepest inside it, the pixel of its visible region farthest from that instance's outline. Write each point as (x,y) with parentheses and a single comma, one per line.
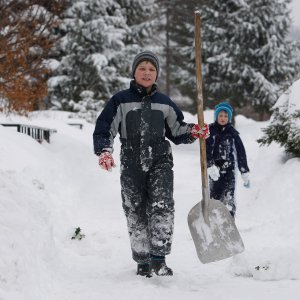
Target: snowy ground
(48,190)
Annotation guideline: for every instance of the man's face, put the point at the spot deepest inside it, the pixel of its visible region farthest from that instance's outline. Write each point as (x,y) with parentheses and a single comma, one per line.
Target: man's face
(145,74)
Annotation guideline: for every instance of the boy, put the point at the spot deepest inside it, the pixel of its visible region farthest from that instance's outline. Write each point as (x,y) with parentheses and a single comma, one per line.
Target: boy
(143,117)
(225,153)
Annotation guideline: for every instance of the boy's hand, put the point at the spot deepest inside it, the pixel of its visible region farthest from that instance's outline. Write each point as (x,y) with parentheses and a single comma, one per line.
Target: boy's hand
(213,172)
(203,132)
(106,161)
(245,177)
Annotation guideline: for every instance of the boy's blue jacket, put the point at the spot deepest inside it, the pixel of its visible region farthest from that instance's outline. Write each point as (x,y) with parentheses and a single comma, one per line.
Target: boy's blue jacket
(122,114)
(225,146)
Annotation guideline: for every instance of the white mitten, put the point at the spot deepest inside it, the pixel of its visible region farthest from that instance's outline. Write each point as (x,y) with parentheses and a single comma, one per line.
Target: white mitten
(245,177)
(213,172)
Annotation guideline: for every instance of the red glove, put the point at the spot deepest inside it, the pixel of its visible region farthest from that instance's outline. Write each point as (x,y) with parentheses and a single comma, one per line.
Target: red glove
(203,132)
(106,161)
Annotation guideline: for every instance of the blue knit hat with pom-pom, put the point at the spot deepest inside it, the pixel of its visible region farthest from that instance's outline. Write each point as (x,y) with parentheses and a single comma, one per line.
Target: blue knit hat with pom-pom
(226,107)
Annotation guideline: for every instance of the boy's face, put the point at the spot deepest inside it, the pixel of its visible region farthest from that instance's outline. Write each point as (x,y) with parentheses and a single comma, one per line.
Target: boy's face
(222,117)
(145,74)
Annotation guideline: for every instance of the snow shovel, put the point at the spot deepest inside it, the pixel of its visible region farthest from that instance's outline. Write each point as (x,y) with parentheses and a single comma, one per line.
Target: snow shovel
(211,225)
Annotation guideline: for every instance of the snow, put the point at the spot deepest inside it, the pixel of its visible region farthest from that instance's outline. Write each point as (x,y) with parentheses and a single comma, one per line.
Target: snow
(52,64)
(49,190)
(100,61)
(290,98)
(294,96)
(56,80)
(295,9)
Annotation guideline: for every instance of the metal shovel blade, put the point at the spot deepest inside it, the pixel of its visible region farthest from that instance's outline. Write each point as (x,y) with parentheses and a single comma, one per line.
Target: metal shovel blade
(217,238)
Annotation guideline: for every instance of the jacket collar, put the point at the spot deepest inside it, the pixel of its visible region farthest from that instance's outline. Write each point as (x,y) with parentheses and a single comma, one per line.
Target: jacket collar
(141,90)
(222,127)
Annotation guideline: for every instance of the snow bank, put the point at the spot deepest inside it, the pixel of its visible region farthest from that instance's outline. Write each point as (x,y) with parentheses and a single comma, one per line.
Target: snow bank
(290,98)
(48,190)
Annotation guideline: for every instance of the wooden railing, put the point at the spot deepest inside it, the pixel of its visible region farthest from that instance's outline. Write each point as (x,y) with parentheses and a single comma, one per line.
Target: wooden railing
(78,125)
(38,133)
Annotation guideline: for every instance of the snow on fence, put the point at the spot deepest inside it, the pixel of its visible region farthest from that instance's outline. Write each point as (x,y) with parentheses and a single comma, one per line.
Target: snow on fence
(38,133)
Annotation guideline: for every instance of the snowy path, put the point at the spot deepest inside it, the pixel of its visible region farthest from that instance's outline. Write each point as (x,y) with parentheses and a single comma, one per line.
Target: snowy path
(46,191)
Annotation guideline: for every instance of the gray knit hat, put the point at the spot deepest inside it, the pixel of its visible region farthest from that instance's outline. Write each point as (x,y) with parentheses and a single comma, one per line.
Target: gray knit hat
(145,55)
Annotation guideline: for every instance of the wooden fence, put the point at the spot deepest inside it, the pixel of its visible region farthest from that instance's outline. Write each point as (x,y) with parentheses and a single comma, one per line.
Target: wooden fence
(38,133)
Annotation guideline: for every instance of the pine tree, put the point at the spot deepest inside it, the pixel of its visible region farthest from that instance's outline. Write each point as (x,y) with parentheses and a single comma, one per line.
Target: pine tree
(248,60)
(179,48)
(284,127)
(139,16)
(140,19)
(90,69)
(275,64)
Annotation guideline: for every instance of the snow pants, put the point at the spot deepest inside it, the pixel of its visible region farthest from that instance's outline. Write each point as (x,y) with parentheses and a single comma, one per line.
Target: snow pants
(224,188)
(147,199)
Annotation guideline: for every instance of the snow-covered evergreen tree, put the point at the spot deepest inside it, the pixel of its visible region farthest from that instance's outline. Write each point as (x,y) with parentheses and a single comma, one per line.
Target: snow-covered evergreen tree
(91,52)
(100,40)
(140,19)
(284,128)
(274,61)
(248,59)
(139,16)
(221,31)
(181,44)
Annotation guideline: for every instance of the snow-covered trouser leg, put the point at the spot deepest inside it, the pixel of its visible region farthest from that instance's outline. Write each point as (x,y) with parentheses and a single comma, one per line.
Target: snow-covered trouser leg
(224,188)
(148,202)
(161,210)
(134,201)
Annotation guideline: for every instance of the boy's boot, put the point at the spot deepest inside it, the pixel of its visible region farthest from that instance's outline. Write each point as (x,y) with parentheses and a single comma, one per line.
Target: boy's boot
(144,270)
(159,267)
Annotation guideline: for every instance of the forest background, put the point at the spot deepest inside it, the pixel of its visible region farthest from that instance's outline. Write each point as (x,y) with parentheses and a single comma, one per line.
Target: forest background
(74,55)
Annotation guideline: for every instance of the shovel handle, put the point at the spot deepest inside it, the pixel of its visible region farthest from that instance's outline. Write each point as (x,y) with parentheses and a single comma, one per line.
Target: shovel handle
(198,60)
